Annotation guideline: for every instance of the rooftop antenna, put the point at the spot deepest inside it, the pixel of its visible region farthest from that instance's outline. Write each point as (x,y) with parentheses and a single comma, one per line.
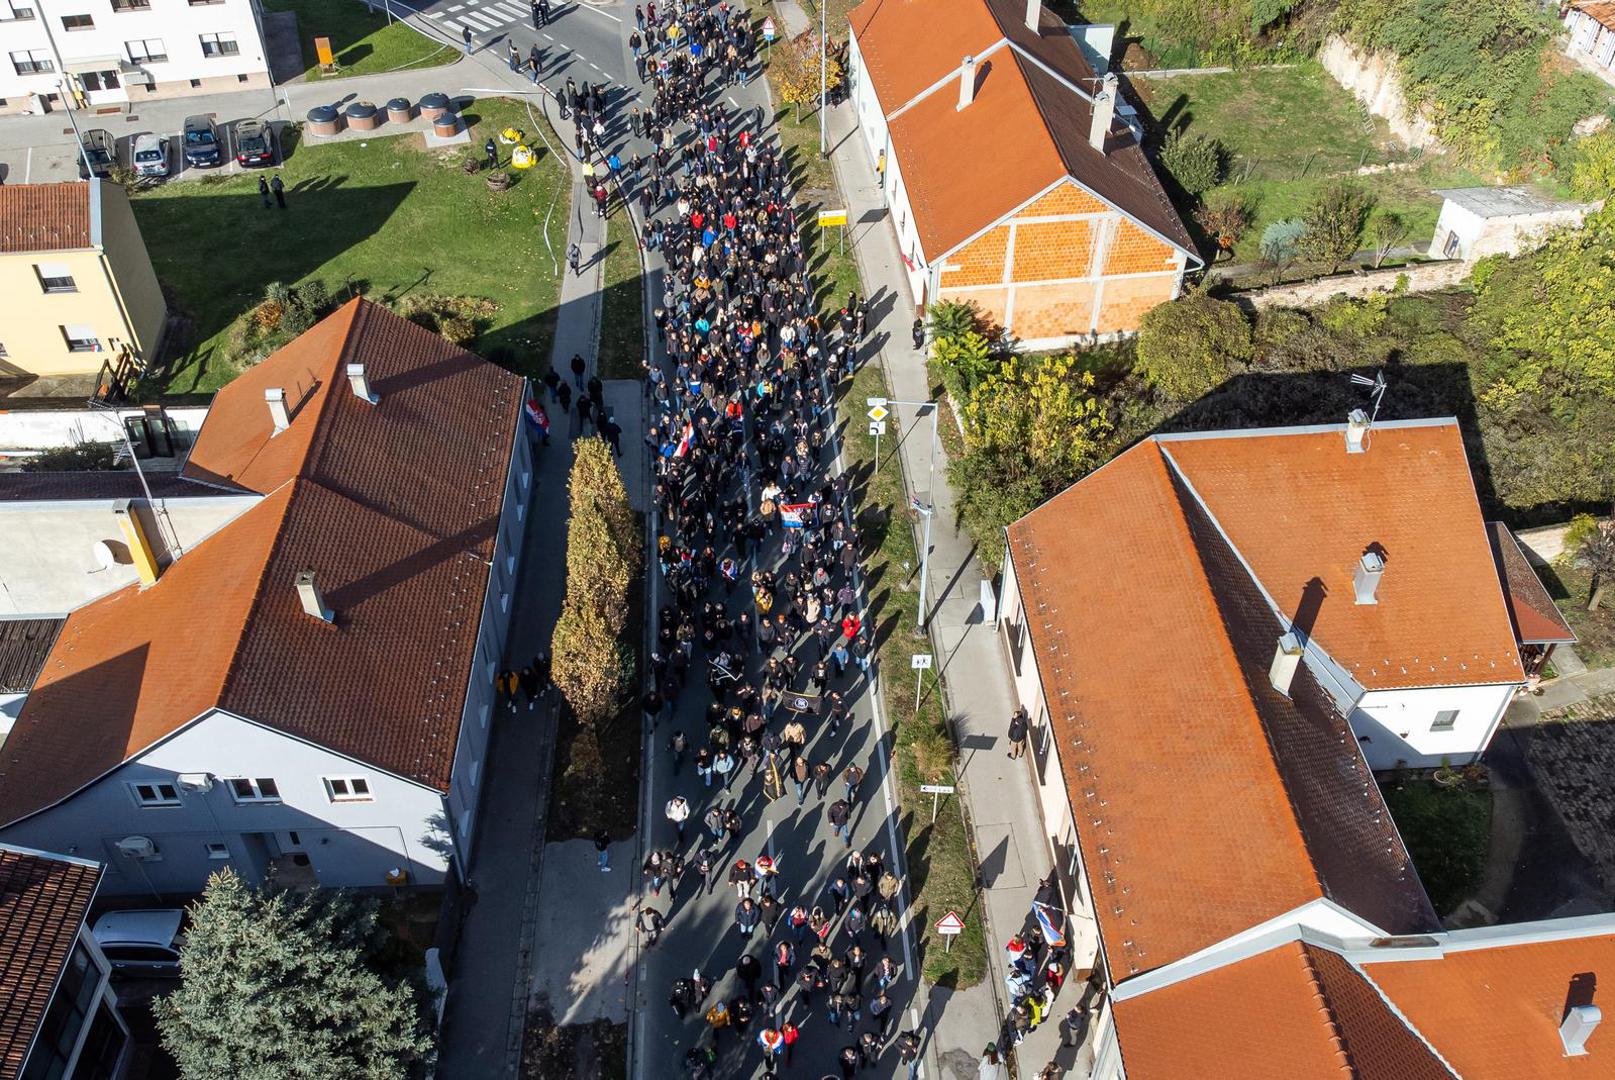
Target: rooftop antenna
(1378,384)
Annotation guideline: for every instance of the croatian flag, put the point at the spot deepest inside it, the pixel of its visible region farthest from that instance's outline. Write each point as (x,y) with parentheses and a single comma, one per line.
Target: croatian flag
(1052,932)
(536,417)
(684,441)
(795,515)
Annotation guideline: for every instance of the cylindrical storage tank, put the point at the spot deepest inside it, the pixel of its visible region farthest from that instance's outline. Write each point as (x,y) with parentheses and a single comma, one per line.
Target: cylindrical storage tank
(434,105)
(324,120)
(399,111)
(362,116)
(446,125)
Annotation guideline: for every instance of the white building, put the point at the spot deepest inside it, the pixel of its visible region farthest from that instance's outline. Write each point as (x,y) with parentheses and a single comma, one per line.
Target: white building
(1480,221)
(301,675)
(88,53)
(1591,35)
(1219,637)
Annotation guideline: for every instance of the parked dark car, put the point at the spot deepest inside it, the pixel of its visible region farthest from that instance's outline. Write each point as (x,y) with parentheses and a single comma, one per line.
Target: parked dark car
(202,148)
(102,151)
(255,143)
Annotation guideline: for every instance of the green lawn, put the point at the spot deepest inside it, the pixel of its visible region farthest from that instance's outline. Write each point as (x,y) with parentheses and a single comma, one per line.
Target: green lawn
(1447,830)
(384,217)
(363,41)
(1570,584)
(622,309)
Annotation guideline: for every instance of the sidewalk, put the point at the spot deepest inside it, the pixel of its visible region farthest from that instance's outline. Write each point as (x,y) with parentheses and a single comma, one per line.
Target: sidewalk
(1009,836)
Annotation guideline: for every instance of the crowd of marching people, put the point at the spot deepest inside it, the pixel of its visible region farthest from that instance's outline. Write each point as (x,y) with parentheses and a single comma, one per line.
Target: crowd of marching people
(757,555)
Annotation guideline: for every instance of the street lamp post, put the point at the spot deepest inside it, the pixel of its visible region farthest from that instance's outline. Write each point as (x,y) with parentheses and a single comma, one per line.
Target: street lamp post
(925,510)
(824,63)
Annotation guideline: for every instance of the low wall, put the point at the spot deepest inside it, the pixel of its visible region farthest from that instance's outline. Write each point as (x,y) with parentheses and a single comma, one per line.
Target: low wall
(1372,79)
(1424,277)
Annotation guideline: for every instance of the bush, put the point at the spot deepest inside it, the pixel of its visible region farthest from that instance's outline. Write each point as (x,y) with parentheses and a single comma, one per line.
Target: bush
(964,361)
(950,319)
(1592,173)
(82,457)
(1225,219)
(1197,162)
(1191,346)
(459,319)
(1359,318)
(1281,240)
(1276,327)
(1334,224)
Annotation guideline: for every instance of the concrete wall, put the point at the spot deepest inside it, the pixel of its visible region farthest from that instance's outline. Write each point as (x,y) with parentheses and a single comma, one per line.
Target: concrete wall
(347,843)
(45,429)
(177,24)
(1372,78)
(48,565)
(132,275)
(1425,277)
(1393,726)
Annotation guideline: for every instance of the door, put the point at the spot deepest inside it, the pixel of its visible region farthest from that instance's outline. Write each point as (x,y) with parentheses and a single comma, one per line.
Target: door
(102,87)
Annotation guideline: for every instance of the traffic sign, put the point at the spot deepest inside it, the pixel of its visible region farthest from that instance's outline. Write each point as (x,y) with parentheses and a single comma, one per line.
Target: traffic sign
(874,401)
(877,428)
(920,661)
(950,924)
(936,789)
(879,413)
(828,218)
(768,29)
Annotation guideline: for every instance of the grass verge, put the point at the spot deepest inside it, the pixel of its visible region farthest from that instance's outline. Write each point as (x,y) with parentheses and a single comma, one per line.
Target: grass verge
(363,41)
(1571,585)
(622,309)
(384,217)
(1447,828)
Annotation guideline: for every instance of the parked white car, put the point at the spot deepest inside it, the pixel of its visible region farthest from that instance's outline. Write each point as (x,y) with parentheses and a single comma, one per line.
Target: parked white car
(149,155)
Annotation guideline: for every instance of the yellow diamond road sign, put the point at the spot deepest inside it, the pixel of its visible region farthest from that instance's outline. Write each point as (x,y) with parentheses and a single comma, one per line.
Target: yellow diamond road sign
(879,413)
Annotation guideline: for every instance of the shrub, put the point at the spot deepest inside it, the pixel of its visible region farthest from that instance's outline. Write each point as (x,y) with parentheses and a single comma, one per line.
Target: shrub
(1276,327)
(964,362)
(1281,240)
(1191,346)
(1592,172)
(1334,224)
(81,457)
(1389,229)
(457,329)
(1225,219)
(1356,317)
(949,319)
(1197,162)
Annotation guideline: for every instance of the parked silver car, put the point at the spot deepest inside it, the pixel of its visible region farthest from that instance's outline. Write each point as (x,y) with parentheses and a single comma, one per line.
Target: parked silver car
(149,155)
(143,942)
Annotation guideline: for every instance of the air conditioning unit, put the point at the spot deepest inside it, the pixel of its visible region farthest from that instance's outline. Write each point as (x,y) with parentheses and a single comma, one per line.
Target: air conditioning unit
(194,781)
(138,847)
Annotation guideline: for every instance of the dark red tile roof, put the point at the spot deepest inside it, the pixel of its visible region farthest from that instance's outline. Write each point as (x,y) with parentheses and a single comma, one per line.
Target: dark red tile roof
(395,507)
(44,217)
(43,901)
(1537,619)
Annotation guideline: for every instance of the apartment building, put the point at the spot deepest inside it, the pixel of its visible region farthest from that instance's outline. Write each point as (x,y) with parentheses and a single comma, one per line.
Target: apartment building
(84,54)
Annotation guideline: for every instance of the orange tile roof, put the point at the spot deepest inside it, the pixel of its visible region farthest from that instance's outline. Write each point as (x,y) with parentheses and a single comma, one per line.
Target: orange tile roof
(395,506)
(1494,1013)
(1205,802)
(1300,509)
(43,901)
(44,217)
(1024,130)
(1537,619)
(1294,1012)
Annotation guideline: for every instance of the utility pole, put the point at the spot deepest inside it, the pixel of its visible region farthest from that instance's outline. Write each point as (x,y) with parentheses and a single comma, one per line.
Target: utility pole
(924,509)
(824,45)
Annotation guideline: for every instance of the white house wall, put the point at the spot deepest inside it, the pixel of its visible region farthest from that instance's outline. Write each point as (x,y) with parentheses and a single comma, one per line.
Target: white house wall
(1393,726)
(347,843)
(877,137)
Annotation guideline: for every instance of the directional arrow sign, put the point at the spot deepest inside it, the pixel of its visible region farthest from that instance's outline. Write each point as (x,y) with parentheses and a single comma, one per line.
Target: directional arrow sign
(950,924)
(878,427)
(879,413)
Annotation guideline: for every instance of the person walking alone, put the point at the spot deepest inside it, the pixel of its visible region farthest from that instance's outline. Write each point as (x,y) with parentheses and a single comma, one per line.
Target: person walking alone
(678,812)
(602,845)
(465,35)
(841,821)
(1017,734)
(278,186)
(574,259)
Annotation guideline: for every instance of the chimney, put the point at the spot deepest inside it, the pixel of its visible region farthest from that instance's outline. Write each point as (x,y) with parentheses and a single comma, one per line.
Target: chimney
(276,397)
(1286,659)
(1356,432)
(308,591)
(1577,1027)
(1034,14)
(967,82)
(1365,580)
(134,535)
(360,384)
(1104,112)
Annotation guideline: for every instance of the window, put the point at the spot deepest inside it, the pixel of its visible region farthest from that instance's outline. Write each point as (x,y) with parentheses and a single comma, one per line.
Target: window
(103,1048)
(155,794)
(81,339)
(485,711)
(261,790)
(504,601)
(347,789)
(77,22)
(476,772)
(32,62)
(69,1009)
(510,560)
(20,13)
(219,45)
(147,51)
(526,477)
(205,3)
(99,80)
(216,850)
(131,5)
(1446,720)
(3,353)
(241,78)
(196,84)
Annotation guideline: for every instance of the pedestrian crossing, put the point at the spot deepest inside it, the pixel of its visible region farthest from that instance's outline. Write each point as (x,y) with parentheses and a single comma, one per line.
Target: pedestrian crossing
(481,17)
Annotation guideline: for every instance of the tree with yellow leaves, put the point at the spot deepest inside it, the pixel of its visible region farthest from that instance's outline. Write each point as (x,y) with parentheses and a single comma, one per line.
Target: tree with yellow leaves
(796,64)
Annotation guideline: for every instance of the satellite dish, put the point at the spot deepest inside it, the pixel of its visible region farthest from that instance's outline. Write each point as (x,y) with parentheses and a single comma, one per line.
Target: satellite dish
(105,557)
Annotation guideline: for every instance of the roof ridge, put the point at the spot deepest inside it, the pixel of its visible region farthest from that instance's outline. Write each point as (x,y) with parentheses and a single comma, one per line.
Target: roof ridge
(1397,1012)
(353,310)
(1326,1007)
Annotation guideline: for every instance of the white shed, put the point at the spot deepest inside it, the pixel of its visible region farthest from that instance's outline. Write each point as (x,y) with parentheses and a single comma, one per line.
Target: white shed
(1591,34)
(1480,221)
